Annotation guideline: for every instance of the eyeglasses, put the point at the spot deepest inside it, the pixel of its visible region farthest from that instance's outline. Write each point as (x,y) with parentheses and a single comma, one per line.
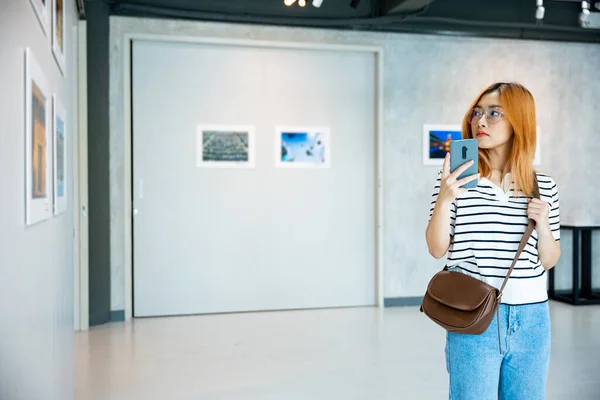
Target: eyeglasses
(492,115)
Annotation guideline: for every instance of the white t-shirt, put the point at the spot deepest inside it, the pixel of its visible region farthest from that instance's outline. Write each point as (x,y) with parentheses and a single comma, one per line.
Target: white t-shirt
(486,227)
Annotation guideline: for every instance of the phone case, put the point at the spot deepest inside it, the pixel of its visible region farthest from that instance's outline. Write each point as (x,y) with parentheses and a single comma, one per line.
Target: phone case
(462,151)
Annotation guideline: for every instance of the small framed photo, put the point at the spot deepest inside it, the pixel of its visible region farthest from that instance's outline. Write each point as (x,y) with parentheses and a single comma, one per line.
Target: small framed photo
(58,33)
(60,157)
(303,147)
(42,12)
(38,166)
(436,142)
(225,146)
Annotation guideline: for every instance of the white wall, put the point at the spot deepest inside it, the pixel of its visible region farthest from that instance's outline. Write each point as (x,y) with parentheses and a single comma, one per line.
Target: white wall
(309,233)
(427,79)
(36,267)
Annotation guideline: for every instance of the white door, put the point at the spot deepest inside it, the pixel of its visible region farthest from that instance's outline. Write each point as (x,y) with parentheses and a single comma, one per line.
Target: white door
(209,240)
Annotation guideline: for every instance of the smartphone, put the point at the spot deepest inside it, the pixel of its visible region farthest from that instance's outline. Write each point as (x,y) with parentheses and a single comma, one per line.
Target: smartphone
(462,151)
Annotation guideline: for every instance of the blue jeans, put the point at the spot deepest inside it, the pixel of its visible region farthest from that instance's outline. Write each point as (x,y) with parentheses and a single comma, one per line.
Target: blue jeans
(477,369)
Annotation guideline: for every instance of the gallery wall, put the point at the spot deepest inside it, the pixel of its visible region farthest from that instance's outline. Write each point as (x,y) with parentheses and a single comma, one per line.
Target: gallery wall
(36,268)
(306,220)
(427,80)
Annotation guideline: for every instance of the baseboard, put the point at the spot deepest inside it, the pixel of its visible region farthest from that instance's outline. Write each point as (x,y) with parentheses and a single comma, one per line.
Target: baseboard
(402,301)
(99,319)
(117,316)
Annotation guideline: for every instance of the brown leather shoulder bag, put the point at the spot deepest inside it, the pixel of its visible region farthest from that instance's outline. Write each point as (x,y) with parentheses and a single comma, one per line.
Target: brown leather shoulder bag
(460,303)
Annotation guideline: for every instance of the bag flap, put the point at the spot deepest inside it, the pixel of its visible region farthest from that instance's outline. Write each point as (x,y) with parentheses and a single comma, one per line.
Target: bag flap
(459,291)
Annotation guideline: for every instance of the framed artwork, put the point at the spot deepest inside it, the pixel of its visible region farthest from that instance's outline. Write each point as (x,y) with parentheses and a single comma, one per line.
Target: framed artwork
(38,168)
(437,138)
(225,146)
(436,142)
(60,156)
(303,147)
(42,11)
(58,33)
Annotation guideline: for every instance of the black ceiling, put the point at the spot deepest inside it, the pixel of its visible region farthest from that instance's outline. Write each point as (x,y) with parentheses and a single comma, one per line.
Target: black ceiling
(499,18)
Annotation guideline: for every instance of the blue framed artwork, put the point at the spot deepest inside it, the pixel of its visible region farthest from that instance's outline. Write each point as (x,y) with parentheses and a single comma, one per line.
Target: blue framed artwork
(436,142)
(59,157)
(303,147)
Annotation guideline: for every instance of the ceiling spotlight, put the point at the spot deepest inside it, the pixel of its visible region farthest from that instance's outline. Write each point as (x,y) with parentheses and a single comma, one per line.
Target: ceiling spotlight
(354,3)
(540,10)
(584,14)
(289,2)
(302,3)
(317,3)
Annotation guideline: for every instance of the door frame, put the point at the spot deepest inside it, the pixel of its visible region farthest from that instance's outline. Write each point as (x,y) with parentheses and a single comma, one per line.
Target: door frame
(377,51)
(80,187)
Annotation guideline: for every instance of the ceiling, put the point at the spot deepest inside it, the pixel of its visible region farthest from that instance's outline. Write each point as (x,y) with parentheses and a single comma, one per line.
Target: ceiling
(487,18)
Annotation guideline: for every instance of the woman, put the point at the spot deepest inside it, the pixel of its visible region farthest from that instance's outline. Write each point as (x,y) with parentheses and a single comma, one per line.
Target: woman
(481,229)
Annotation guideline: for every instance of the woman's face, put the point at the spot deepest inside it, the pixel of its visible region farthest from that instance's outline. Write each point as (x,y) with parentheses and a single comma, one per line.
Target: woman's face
(488,124)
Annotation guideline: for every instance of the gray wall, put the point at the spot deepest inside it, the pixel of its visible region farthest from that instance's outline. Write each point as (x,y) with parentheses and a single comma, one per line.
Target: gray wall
(98,172)
(36,267)
(427,79)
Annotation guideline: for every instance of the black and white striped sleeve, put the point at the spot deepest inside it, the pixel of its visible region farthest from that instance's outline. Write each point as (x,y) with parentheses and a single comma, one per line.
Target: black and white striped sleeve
(434,196)
(554,216)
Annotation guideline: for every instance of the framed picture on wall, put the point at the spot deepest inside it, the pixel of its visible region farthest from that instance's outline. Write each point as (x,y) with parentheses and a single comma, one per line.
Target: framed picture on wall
(58,33)
(60,156)
(38,167)
(436,142)
(42,11)
(302,147)
(437,138)
(225,146)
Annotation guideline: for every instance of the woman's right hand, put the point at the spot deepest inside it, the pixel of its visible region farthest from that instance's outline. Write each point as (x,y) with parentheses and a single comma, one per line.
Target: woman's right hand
(450,187)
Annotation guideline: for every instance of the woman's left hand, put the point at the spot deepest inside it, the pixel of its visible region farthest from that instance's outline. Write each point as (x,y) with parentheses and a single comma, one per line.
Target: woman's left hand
(538,210)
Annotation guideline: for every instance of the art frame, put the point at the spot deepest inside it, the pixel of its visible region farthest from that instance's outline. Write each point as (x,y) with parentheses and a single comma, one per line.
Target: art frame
(318,155)
(455,131)
(38,166)
(42,12)
(211,154)
(59,33)
(60,135)
(433,153)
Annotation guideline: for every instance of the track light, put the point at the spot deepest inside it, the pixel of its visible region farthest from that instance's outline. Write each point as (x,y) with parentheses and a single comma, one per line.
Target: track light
(317,3)
(540,10)
(302,3)
(289,2)
(354,3)
(584,14)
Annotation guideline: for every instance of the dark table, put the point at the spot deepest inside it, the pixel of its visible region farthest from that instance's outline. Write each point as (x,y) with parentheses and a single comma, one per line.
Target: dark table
(582,291)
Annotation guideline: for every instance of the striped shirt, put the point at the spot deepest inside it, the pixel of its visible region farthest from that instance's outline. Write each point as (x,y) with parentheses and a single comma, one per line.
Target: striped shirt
(486,227)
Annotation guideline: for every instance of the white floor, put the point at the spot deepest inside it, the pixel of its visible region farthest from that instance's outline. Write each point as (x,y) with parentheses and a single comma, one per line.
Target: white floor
(353,353)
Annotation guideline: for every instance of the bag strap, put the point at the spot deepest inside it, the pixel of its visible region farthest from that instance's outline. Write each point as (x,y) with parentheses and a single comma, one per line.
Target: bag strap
(526,235)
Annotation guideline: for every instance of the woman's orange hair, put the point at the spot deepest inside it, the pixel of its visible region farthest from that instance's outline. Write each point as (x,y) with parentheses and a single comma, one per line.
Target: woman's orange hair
(519,108)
